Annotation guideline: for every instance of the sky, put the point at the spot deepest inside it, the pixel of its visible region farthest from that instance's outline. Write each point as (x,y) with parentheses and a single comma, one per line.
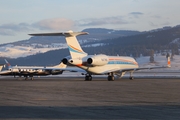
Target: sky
(18,18)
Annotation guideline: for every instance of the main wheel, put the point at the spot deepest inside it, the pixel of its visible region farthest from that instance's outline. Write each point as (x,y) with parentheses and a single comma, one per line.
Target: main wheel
(88,78)
(131,78)
(110,78)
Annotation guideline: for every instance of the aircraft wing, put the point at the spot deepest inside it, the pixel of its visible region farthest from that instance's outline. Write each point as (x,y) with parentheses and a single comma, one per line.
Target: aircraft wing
(156,67)
(145,68)
(67,69)
(117,70)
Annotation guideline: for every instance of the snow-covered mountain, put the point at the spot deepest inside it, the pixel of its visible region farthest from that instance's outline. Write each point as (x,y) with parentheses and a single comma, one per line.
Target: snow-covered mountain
(176,41)
(115,41)
(15,51)
(24,50)
(36,45)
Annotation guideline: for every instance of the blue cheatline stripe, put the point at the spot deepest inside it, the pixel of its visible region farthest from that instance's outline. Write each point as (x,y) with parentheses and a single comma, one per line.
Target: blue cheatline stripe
(72,50)
(120,62)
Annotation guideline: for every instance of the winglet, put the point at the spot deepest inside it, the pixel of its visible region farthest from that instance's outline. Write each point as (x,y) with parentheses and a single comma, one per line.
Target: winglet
(168,62)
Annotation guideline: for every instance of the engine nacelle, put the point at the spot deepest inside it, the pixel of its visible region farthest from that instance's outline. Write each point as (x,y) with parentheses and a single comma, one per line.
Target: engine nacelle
(75,61)
(14,70)
(98,60)
(65,60)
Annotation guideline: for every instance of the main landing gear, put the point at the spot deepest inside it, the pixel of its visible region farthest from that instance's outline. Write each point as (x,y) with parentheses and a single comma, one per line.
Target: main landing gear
(88,77)
(31,77)
(111,77)
(131,76)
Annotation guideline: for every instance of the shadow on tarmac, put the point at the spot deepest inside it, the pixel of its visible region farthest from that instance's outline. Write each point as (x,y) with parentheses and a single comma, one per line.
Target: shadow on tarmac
(91,112)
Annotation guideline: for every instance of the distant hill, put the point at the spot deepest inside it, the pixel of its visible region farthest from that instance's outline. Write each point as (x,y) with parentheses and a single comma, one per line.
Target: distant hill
(130,43)
(94,34)
(158,40)
(36,45)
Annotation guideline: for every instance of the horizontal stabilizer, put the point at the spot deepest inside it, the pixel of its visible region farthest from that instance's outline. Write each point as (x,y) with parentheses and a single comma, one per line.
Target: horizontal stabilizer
(66,34)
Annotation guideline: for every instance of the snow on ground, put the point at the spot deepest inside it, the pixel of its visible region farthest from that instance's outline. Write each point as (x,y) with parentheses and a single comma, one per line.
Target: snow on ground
(12,51)
(24,50)
(95,45)
(160,61)
(21,51)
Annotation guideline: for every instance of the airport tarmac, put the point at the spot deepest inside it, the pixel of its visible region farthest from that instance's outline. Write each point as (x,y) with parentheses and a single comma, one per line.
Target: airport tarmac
(74,98)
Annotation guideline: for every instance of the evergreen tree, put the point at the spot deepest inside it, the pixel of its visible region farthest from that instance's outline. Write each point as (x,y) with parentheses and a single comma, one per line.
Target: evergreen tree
(172,54)
(151,59)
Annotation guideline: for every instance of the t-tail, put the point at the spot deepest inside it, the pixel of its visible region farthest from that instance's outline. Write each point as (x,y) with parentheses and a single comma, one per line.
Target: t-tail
(72,42)
(8,64)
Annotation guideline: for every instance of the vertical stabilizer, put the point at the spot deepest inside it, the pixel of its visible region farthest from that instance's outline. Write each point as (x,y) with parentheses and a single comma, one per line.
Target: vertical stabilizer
(73,44)
(8,64)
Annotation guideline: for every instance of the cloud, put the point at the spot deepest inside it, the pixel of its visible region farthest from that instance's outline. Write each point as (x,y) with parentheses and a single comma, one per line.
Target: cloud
(11,28)
(136,14)
(153,24)
(165,23)
(6,32)
(102,21)
(54,24)
(156,16)
(62,24)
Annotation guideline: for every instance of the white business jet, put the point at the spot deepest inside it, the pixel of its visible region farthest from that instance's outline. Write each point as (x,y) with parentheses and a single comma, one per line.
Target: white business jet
(99,64)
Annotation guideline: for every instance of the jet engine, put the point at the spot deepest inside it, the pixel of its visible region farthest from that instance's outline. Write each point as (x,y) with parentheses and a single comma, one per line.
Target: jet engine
(14,70)
(98,60)
(65,60)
